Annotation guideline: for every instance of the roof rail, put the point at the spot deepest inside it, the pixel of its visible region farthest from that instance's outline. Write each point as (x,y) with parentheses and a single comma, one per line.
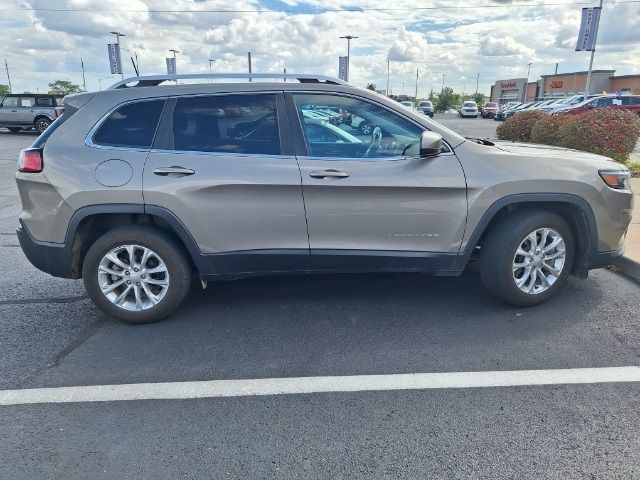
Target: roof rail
(154,80)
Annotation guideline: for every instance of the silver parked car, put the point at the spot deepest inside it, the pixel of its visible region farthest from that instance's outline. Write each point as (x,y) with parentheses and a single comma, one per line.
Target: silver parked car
(29,111)
(136,189)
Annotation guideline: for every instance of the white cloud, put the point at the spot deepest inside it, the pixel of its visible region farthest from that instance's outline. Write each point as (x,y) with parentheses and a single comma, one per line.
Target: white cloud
(502,47)
(408,46)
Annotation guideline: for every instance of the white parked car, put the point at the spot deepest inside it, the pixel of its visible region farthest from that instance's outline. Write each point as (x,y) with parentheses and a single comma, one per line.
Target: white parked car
(469,109)
(408,104)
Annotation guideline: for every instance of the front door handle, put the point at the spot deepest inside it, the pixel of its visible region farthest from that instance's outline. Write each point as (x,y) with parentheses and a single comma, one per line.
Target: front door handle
(173,171)
(328,174)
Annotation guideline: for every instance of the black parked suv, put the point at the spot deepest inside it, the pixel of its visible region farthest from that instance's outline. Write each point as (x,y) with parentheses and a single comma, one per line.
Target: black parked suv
(28,110)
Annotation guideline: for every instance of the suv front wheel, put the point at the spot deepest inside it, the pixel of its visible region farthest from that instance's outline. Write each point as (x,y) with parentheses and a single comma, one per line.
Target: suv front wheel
(136,274)
(527,257)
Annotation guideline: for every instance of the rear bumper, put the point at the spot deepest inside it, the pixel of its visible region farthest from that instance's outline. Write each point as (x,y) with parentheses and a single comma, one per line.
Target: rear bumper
(52,258)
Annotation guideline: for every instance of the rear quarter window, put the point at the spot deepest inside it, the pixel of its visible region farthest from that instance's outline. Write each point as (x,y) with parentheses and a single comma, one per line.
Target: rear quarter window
(132,125)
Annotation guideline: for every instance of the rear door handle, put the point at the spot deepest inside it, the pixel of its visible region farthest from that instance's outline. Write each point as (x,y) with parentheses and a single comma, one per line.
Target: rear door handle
(328,174)
(173,171)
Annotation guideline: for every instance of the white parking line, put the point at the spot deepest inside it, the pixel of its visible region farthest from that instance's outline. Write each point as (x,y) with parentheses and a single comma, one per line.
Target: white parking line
(301,385)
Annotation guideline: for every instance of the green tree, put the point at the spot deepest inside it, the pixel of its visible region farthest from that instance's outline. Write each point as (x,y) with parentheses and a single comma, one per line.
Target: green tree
(371,86)
(64,87)
(478,98)
(4,90)
(447,99)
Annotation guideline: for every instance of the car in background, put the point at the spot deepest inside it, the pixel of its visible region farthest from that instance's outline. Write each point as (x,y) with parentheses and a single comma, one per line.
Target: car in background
(469,109)
(28,111)
(426,107)
(509,112)
(567,102)
(489,110)
(619,102)
(408,104)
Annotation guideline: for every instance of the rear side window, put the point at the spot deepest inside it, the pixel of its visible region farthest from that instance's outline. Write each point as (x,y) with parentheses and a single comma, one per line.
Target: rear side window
(234,124)
(132,125)
(45,102)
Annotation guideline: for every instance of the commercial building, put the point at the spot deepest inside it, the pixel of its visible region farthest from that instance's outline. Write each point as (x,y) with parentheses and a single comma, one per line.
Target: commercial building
(562,85)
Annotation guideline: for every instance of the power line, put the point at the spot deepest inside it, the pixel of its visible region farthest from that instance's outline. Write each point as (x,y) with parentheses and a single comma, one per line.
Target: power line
(315,11)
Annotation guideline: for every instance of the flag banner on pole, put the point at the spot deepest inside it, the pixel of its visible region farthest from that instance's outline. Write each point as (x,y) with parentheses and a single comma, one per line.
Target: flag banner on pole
(114,58)
(342,69)
(171,66)
(588,29)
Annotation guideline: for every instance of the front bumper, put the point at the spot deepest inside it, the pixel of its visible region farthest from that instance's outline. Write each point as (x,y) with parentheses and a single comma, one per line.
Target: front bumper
(52,258)
(469,114)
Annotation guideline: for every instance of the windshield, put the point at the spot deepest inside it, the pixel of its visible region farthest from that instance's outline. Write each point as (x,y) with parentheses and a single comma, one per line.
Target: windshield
(470,104)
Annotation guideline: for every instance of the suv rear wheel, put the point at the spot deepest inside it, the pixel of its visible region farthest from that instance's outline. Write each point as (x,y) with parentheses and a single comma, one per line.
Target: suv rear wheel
(42,124)
(527,257)
(136,274)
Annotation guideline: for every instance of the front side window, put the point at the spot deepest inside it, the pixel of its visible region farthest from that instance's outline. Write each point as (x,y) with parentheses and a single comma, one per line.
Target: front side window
(10,102)
(347,127)
(132,125)
(233,124)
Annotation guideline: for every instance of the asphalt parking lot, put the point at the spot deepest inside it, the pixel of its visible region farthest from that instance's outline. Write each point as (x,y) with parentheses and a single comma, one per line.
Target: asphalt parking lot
(317,326)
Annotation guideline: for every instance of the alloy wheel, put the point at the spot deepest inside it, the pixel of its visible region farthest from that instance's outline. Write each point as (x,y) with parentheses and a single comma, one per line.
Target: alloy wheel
(539,260)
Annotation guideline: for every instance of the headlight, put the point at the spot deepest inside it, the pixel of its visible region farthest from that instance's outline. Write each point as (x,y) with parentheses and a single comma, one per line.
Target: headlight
(617,179)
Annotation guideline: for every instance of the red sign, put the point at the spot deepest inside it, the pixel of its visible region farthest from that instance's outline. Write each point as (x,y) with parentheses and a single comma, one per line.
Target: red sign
(556,84)
(508,85)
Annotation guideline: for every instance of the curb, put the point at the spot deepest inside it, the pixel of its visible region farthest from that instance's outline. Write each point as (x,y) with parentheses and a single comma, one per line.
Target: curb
(627,267)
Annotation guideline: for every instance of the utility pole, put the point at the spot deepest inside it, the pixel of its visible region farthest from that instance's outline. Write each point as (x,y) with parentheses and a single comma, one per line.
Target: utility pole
(84,81)
(477,81)
(211,60)
(387,78)
(118,35)
(595,39)
(526,84)
(6,66)
(249,59)
(443,75)
(175,62)
(284,70)
(416,97)
(348,38)
(403,92)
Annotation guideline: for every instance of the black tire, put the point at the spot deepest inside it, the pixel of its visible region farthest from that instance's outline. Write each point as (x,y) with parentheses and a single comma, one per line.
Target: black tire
(499,249)
(164,246)
(41,124)
(14,129)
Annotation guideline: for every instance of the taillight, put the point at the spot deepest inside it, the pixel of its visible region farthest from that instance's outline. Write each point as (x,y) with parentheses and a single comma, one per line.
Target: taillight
(59,111)
(30,160)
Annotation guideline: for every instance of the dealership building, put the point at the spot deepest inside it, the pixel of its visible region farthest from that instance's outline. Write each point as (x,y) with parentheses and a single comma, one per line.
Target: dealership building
(562,85)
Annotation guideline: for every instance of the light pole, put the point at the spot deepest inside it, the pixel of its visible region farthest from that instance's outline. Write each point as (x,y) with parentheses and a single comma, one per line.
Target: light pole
(416,97)
(403,93)
(593,52)
(211,60)
(175,63)
(118,35)
(526,84)
(387,78)
(443,75)
(348,38)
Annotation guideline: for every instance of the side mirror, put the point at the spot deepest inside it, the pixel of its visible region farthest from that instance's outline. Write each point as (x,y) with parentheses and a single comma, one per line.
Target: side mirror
(430,144)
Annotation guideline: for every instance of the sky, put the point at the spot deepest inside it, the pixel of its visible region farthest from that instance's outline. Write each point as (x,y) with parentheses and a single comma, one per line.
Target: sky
(44,40)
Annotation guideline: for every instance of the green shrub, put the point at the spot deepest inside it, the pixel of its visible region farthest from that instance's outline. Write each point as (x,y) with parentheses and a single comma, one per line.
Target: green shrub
(605,131)
(518,128)
(634,167)
(548,130)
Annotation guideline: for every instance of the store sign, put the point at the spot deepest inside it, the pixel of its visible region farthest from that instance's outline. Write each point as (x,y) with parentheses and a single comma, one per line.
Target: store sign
(171,66)
(556,84)
(508,85)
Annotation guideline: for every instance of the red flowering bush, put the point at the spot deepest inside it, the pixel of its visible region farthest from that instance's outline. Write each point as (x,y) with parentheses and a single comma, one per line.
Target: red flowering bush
(605,131)
(518,128)
(548,130)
